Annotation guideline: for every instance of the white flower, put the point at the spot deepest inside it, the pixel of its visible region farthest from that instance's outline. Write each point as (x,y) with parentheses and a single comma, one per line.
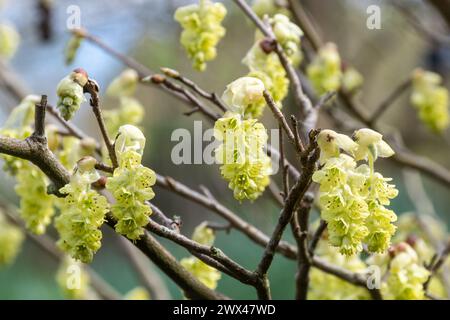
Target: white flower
(330,142)
(370,141)
(129,138)
(242,93)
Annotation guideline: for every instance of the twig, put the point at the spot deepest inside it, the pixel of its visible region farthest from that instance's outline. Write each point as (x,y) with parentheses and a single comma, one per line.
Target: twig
(316,237)
(302,19)
(438,262)
(299,224)
(301,99)
(162,80)
(281,120)
(174,74)
(240,273)
(389,100)
(92,88)
(295,195)
(249,230)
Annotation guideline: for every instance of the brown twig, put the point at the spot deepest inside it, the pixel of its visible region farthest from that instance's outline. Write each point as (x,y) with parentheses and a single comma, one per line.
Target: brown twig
(92,88)
(389,100)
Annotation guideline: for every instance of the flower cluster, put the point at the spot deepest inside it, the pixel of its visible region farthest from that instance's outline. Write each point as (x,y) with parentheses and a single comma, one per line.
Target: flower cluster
(265,65)
(11,239)
(9,41)
(202,30)
(73,280)
(244,163)
(204,273)
(131,184)
(36,205)
(406,275)
(430,99)
(70,93)
(353,198)
(268,68)
(325,70)
(83,212)
(18,125)
(288,36)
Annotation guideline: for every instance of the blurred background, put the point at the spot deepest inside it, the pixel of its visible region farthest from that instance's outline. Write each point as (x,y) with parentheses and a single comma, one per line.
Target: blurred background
(145,29)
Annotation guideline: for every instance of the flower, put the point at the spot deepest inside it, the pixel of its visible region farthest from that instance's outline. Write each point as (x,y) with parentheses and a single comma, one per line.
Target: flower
(243,93)
(129,138)
(370,143)
(331,142)
(325,70)
(430,98)
(202,30)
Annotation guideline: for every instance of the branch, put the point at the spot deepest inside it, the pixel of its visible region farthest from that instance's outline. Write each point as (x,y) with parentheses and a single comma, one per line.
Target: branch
(174,74)
(35,152)
(299,224)
(239,272)
(249,230)
(295,195)
(389,100)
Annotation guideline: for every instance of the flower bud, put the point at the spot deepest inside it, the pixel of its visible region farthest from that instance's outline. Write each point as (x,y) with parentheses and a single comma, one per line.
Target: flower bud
(129,138)
(330,142)
(242,93)
(370,142)
(70,93)
(86,164)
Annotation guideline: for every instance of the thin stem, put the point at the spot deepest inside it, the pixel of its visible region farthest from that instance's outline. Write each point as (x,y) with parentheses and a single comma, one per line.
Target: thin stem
(92,88)
(390,99)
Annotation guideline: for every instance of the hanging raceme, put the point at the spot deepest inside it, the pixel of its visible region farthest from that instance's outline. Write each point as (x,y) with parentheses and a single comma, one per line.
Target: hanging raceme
(131,184)
(353,198)
(11,239)
(406,275)
(82,214)
(204,273)
(202,30)
(36,206)
(430,99)
(70,93)
(265,65)
(325,71)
